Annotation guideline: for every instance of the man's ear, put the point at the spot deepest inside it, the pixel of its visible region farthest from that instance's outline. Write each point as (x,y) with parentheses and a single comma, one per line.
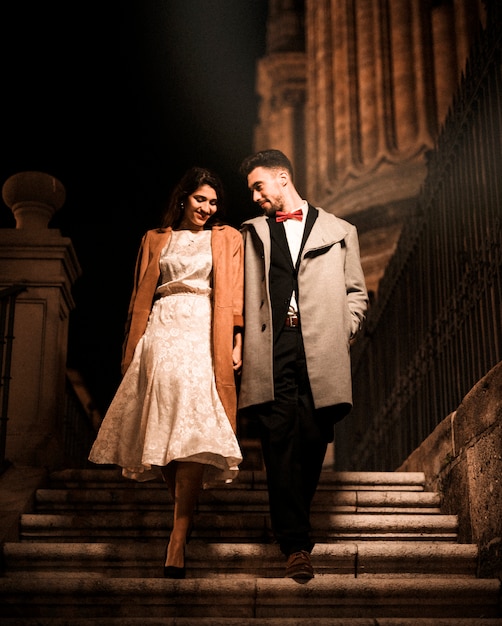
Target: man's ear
(283,177)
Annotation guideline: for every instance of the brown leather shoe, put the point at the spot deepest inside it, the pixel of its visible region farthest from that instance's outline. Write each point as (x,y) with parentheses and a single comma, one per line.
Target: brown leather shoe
(299,567)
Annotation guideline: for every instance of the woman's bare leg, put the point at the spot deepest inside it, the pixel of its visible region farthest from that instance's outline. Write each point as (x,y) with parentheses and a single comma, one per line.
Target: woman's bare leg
(169,476)
(184,481)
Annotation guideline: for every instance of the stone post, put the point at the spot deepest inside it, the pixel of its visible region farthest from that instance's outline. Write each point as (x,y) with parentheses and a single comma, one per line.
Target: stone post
(44,261)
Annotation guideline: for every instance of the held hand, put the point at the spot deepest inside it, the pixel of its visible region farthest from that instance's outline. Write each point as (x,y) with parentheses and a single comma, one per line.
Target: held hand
(237,353)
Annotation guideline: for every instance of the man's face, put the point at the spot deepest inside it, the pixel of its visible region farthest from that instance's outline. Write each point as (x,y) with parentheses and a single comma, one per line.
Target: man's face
(267,186)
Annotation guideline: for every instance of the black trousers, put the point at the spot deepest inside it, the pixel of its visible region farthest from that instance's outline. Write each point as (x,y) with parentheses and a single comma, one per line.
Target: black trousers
(294,440)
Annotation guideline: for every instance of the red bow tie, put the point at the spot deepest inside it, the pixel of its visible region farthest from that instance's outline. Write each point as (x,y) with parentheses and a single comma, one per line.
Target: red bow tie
(282,216)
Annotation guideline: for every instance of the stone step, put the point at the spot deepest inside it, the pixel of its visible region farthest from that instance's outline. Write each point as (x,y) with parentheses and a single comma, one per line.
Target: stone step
(116,499)
(206,560)
(365,481)
(261,621)
(249,599)
(92,549)
(235,527)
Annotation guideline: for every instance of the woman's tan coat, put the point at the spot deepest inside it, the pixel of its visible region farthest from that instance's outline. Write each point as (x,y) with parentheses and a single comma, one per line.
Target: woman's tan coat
(228,292)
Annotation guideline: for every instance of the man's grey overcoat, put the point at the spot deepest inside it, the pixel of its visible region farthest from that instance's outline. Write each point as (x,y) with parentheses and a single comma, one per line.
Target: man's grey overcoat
(332,302)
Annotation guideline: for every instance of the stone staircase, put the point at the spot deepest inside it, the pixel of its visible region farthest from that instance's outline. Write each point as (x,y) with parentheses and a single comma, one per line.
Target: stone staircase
(91,553)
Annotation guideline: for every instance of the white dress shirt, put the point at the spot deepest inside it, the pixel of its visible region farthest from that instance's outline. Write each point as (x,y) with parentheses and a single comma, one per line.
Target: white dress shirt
(294,234)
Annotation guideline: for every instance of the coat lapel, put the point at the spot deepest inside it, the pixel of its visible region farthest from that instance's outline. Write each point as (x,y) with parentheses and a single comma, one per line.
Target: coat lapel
(310,219)
(216,245)
(278,235)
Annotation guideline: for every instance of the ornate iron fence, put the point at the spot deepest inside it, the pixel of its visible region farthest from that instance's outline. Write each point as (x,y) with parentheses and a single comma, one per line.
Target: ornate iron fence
(435,328)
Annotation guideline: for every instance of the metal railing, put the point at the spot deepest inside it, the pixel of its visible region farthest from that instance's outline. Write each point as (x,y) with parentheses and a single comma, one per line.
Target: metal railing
(79,431)
(435,329)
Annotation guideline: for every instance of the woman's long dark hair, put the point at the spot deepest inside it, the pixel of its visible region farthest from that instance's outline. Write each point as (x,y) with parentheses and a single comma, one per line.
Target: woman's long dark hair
(193,178)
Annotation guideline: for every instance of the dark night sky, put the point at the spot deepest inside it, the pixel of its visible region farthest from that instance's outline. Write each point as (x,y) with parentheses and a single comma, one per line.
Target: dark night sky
(116,99)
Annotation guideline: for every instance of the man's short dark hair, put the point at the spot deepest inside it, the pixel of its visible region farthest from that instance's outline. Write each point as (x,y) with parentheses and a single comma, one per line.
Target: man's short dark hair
(271,159)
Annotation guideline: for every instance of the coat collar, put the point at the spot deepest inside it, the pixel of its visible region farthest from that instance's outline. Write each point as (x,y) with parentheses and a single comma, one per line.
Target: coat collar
(326,229)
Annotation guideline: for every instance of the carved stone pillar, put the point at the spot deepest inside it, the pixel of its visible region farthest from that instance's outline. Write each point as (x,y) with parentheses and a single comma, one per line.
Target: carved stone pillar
(281,86)
(380,76)
(40,258)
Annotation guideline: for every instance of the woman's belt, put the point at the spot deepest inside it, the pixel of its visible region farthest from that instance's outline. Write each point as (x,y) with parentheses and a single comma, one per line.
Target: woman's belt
(170,289)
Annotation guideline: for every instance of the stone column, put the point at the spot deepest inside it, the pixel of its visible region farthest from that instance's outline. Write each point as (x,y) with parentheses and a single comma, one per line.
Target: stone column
(281,86)
(446,74)
(44,261)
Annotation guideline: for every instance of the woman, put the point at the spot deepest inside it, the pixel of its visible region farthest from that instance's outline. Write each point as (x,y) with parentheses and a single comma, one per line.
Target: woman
(174,412)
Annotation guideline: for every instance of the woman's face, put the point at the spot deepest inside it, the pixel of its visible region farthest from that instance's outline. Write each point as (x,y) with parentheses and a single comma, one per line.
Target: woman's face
(199,207)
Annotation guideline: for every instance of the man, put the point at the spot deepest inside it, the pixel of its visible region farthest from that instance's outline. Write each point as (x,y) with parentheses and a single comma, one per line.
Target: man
(305,299)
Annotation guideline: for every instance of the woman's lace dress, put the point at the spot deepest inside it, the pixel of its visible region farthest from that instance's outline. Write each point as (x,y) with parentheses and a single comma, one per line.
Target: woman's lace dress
(167,406)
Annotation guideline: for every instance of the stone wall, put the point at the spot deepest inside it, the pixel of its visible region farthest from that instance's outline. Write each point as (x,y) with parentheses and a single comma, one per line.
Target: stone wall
(462,460)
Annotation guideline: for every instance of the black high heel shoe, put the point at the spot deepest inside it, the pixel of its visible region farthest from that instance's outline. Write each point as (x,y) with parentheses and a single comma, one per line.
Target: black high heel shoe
(171,571)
